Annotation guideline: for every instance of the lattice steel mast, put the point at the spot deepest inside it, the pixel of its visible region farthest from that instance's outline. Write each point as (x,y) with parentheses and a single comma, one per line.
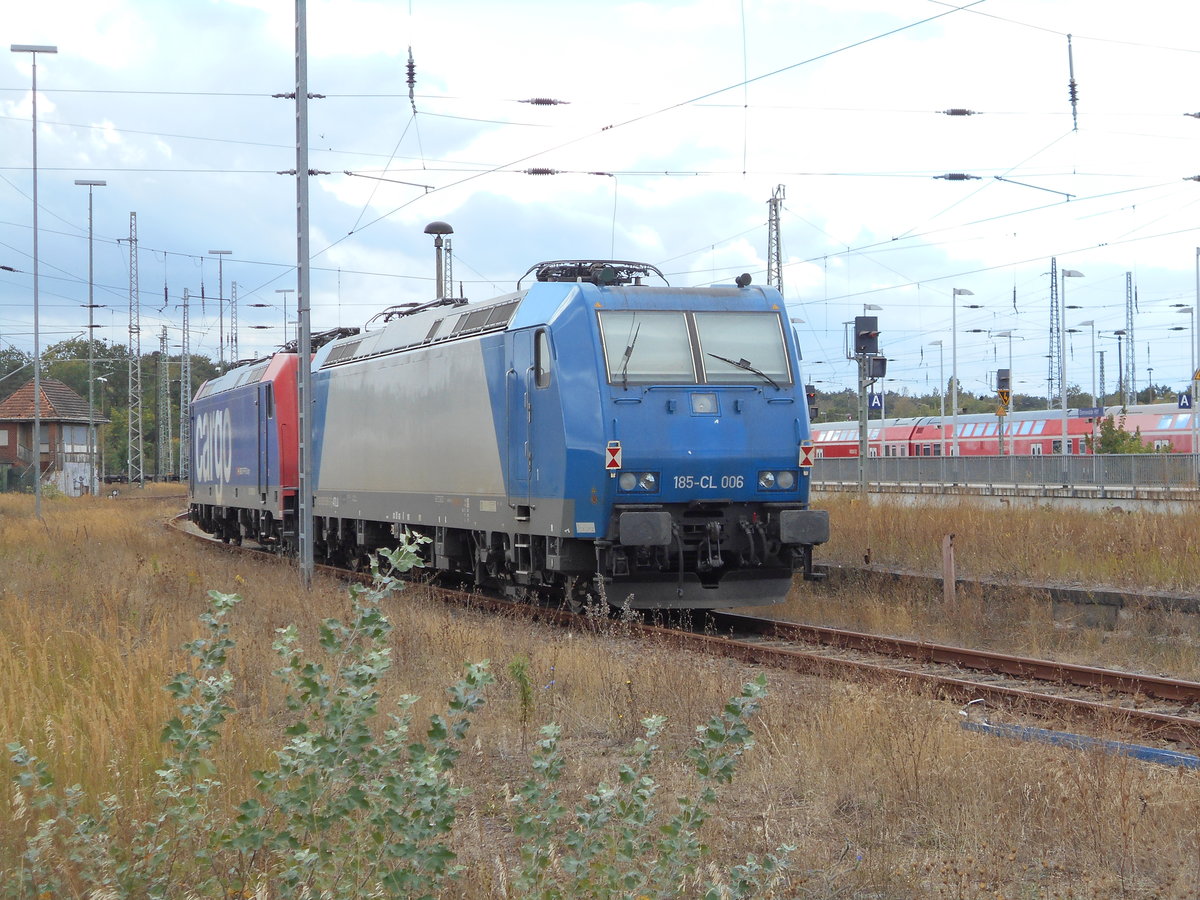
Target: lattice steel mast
(166,458)
(133,454)
(774,244)
(1053,384)
(233,341)
(185,396)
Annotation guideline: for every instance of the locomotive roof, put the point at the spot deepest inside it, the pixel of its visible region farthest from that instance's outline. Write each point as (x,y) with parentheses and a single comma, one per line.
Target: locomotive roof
(402,328)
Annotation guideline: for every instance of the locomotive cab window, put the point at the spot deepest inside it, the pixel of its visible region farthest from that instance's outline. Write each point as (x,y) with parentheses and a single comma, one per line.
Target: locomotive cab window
(541,358)
(742,348)
(665,347)
(647,347)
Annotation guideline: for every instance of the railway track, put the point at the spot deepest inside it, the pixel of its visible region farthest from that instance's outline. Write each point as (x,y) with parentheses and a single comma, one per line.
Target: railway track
(1145,707)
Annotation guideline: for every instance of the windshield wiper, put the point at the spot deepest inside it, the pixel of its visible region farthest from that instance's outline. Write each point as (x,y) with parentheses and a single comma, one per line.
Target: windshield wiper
(745,366)
(629,353)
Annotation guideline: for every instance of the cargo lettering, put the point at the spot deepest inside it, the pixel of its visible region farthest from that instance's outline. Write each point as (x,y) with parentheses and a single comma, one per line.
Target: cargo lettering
(214,446)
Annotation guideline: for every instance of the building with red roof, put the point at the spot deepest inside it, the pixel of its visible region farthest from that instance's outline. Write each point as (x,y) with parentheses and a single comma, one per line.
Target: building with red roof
(68,459)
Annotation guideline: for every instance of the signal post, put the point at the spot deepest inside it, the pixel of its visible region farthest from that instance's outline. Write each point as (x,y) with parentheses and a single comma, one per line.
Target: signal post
(871,368)
(1004,392)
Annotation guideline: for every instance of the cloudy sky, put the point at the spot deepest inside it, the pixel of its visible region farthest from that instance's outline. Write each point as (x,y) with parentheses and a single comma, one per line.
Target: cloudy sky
(679,122)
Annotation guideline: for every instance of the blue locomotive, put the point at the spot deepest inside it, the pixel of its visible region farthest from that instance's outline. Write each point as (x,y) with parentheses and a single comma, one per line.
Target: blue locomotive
(589,436)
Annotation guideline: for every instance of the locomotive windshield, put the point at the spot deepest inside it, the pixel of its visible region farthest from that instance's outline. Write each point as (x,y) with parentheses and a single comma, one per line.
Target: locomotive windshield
(662,347)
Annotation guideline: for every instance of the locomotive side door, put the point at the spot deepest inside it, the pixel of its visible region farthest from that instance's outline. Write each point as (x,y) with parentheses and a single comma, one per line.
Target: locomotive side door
(266,418)
(519,416)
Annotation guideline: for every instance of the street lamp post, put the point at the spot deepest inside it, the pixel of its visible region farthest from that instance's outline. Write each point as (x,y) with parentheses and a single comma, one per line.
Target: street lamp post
(955,294)
(1062,363)
(33,50)
(941,386)
(1122,397)
(1091,323)
(93,487)
(1096,404)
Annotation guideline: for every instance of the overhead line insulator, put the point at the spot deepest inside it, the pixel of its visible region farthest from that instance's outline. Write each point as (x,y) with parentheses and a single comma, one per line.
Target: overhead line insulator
(545,101)
(957,176)
(958,111)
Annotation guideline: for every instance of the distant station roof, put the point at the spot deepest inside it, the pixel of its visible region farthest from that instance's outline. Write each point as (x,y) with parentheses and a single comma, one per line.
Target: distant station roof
(59,404)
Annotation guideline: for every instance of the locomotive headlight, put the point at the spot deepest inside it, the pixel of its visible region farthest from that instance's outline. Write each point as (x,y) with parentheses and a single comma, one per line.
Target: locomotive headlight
(644,482)
(783,480)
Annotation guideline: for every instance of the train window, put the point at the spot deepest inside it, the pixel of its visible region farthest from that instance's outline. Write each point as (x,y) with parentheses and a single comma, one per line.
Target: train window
(1035,449)
(541,358)
(735,344)
(433,329)
(269,399)
(647,347)
(1183,420)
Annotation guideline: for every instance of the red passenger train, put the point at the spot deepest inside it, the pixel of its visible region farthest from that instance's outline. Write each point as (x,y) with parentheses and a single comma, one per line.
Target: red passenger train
(1163,427)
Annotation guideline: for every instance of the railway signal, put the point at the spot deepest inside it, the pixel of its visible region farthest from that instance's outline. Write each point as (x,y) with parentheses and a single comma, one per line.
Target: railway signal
(866,335)
(871,367)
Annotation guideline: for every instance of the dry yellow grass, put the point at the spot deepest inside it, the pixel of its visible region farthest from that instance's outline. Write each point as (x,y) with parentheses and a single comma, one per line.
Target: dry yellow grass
(881,792)
(1136,550)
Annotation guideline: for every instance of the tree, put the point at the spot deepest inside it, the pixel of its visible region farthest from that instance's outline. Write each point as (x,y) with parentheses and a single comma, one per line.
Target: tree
(1113,438)
(13,364)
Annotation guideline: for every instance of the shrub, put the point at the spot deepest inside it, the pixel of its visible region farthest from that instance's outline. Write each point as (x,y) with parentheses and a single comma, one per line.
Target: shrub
(353,811)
